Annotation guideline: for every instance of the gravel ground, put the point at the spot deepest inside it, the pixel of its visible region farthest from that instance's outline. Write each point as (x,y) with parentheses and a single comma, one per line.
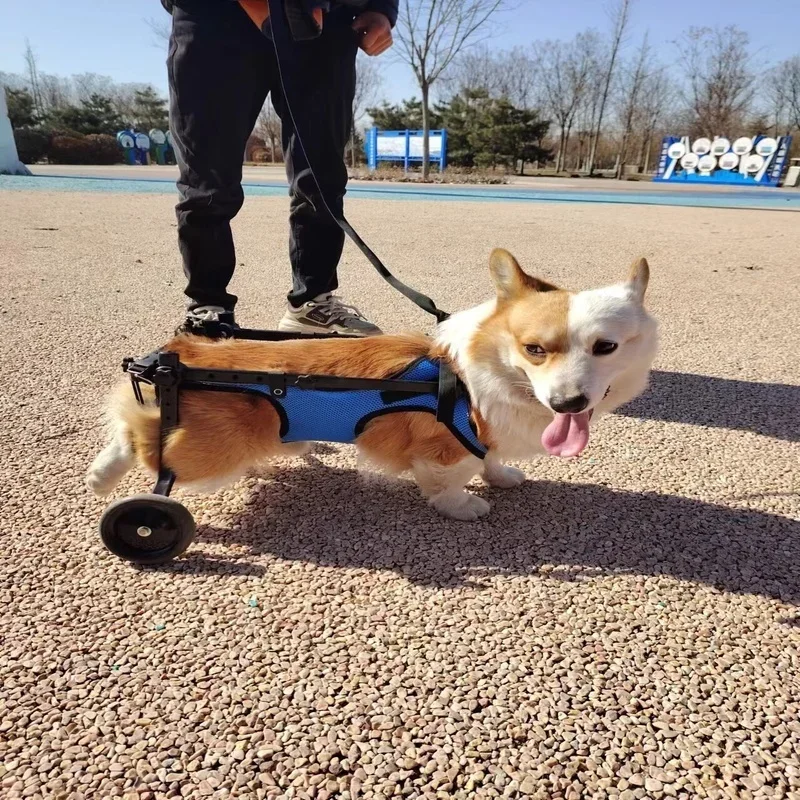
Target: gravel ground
(624,625)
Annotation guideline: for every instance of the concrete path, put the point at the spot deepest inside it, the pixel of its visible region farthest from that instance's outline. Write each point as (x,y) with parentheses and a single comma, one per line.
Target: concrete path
(624,625)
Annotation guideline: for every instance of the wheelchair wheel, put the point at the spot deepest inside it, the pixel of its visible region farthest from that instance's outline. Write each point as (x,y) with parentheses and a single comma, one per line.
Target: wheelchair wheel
(147,528)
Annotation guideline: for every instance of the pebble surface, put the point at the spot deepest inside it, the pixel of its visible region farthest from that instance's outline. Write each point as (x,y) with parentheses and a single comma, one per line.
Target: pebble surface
(624,625)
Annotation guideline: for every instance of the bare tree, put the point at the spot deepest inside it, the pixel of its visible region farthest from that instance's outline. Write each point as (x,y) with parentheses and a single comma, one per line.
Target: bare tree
(721,83)
(369,81)
(86,84)
(508,73)
(431,34)
(634,80)
(564,70)
(621,17)
(517,79)
(161,29)
(784,92)
(658,95)
(268,129)
(34,83)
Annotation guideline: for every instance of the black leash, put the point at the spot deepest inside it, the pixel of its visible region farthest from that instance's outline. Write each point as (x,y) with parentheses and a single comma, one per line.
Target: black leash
(280,30)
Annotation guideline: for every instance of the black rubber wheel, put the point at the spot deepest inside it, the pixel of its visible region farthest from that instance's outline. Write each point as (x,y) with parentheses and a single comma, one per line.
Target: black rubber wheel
(147,528)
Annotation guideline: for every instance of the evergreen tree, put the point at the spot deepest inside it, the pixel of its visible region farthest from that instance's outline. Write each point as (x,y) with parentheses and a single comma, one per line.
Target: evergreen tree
(489,132)
(482,131)
(94,115)
(21,108)
(405,116)
(461,117)
(149,110)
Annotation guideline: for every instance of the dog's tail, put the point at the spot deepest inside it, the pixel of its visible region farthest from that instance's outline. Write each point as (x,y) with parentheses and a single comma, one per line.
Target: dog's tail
(135,431)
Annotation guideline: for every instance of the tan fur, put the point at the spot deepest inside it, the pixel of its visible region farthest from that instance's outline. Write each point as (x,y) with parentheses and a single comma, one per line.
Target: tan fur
(531,310)
(222,434)
(249,426)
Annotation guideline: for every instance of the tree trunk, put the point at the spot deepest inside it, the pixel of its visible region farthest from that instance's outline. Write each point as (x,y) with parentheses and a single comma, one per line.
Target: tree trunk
(352,142)
(352,148)
(593,139)
(562,150)
(621,156)
(640,157)
(567,135)
(620,25)
(426,129)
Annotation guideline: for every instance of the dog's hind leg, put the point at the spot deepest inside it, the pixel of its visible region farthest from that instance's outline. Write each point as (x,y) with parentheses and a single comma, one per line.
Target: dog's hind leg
(111,464)
(444,488)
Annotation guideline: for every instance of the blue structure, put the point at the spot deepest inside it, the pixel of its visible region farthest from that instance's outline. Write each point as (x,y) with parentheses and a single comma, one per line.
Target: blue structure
(405,146)
(138,146)
(758,162)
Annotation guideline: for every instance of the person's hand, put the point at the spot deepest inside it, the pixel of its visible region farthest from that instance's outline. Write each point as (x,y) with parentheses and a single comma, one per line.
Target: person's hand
(375,32)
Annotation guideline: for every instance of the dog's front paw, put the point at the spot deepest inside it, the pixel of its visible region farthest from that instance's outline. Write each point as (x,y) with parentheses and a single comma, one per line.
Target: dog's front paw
(502,477)
(460,505)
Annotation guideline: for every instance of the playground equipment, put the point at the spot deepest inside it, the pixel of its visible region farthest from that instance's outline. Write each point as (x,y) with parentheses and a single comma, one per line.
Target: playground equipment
(143,148)
(747,162)
(159,144)
(405,146)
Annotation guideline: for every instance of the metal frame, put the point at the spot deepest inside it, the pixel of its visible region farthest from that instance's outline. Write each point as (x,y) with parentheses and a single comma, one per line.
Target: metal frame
(168,375)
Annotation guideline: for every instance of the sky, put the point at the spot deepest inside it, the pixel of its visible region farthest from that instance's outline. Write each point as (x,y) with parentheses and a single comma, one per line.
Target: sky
(112,38)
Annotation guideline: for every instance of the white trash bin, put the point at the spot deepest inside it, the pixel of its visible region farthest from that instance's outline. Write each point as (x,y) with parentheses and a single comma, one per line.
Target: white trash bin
(793,174)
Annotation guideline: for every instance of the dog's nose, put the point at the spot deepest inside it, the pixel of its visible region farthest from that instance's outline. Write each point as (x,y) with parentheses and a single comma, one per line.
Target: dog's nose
(569,405)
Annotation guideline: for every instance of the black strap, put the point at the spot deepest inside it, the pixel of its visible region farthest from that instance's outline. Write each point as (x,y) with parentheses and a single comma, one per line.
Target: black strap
(422,300)
(279,28)
(448,394)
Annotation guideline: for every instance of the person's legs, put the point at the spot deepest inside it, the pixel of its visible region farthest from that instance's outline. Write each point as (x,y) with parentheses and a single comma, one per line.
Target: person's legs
(219,74)
(319,78)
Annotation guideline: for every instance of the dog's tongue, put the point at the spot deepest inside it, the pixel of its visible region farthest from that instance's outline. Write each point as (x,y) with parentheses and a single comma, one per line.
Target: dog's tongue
(567,435)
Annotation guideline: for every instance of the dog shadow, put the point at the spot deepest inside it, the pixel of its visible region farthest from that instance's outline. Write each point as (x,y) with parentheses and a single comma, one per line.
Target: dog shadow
(332,517)
(769,409)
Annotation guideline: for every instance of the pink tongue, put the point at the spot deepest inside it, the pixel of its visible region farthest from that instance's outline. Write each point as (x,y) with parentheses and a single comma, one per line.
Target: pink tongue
(567,435)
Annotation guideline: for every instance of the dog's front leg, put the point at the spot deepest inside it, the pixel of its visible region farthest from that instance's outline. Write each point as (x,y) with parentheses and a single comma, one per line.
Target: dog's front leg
(496,474)
(444,488)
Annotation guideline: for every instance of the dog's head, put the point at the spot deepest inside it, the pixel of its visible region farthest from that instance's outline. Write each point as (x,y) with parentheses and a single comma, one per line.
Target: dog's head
(576,353)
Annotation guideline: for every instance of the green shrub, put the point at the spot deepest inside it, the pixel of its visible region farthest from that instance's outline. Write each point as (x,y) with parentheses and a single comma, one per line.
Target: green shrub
(96,148)
(33,144)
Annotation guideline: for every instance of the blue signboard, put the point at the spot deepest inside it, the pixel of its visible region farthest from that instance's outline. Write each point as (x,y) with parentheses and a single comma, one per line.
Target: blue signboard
(757,161)
(405,146)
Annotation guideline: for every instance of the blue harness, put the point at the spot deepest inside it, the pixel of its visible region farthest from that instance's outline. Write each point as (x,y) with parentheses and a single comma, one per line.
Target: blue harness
(340,415)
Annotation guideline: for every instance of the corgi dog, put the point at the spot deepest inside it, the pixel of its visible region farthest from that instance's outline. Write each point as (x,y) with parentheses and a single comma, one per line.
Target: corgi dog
(540,365)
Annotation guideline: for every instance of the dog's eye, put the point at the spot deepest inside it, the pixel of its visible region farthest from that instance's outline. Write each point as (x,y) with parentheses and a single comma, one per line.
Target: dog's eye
(603,347)
(535,350)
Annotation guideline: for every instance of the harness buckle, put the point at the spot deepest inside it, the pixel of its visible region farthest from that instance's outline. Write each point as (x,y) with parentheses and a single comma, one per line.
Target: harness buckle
(277,385)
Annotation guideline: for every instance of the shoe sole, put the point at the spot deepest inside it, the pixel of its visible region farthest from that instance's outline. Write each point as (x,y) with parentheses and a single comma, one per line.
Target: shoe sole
(295,326)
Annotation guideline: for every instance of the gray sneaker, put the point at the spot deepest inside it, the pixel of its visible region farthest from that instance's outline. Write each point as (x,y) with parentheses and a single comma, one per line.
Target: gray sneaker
(212,321)
(327,314)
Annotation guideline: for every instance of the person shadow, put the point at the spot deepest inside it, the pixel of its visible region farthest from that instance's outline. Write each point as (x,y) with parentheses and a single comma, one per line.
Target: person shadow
(333,517)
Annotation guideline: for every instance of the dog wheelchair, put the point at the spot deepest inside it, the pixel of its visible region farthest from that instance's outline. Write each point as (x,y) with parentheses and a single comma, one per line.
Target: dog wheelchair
(154,528)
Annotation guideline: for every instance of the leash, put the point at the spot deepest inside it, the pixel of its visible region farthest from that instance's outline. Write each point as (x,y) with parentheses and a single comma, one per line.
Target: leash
(275,13)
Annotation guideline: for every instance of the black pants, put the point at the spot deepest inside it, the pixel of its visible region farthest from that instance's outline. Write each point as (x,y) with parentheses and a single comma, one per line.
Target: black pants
(221,69)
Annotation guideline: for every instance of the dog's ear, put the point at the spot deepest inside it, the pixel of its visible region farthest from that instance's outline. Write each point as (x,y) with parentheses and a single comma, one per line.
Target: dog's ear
(638,278)
(509,279)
